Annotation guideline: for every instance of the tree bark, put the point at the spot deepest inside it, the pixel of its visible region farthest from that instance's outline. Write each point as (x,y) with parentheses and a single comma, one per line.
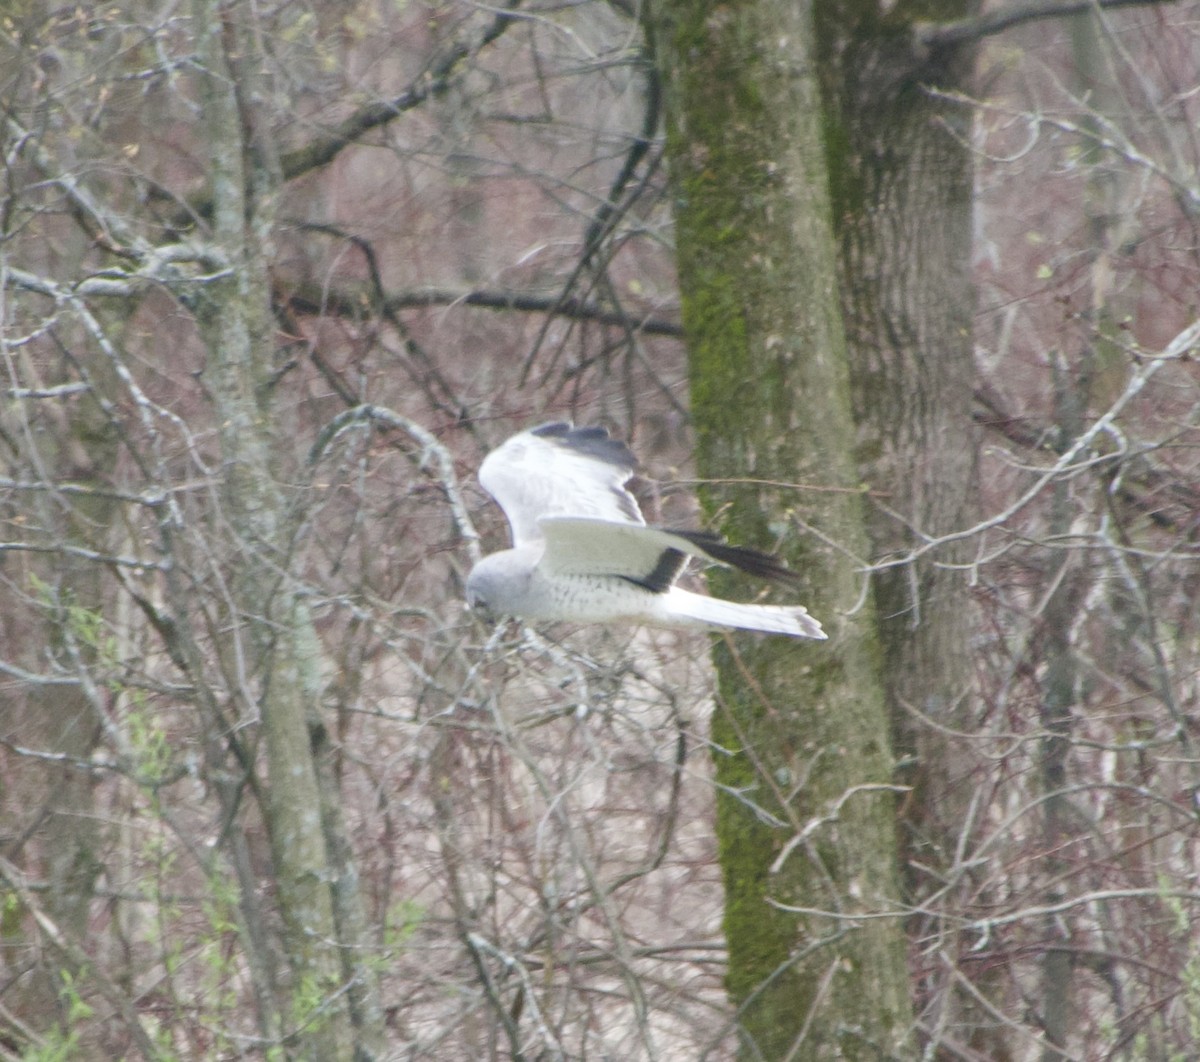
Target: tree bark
(74,837)
(901,176)
(805,816)
(235,321)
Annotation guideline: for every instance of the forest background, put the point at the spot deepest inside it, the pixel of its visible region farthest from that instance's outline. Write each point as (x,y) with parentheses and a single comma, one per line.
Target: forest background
(275,277)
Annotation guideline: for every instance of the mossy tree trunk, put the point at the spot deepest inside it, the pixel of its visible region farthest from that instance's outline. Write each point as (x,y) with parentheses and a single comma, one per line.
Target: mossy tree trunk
(901,179)
(805,815)
(901,182)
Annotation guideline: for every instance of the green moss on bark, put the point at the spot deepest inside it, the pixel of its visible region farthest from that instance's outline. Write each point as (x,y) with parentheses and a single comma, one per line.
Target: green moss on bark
(797,725)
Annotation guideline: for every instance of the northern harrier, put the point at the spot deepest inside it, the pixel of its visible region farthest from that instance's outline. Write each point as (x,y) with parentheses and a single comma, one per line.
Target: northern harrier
(583,553)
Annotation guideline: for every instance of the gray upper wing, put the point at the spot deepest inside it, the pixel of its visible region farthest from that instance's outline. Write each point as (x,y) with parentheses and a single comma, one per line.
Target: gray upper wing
(558,470)
(652,557)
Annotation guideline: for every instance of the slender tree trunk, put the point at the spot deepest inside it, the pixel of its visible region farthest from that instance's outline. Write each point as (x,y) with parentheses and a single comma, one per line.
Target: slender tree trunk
(234,315)
(73,840)
(75,837)
(1073,397)
(1058,698)
(805,817)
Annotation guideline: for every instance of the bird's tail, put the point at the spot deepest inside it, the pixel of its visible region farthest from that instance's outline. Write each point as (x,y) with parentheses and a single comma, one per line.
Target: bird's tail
(713,612)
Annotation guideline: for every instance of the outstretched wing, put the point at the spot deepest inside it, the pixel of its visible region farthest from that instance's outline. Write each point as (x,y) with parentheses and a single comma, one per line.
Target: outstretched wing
(651,557)
(558,470)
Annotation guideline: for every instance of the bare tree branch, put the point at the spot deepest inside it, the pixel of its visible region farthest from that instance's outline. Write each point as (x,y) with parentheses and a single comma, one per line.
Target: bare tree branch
(931,36)
(1178,348)
(311,301)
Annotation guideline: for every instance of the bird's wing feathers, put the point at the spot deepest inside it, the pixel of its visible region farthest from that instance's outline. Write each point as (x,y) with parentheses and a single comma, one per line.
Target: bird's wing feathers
(652,557)
(792,620)
(644,555)
(558,470)
(713,547)
(565,487)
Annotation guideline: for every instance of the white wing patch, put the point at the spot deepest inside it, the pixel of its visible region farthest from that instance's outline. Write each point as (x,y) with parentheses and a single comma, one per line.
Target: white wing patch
(559,470)
(628,551)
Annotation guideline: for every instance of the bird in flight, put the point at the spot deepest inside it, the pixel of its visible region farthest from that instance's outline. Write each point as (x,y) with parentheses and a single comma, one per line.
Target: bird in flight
(583,553)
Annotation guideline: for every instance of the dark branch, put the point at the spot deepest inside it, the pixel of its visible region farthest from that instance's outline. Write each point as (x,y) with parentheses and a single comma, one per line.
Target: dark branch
(1157,492)
(610,211)
(932,36)
(346,304)
(615,207)
(433,82)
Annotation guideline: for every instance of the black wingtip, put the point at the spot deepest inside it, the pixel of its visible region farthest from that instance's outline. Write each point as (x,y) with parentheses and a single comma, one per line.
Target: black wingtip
(662,576)
(593,442)
(751,561)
